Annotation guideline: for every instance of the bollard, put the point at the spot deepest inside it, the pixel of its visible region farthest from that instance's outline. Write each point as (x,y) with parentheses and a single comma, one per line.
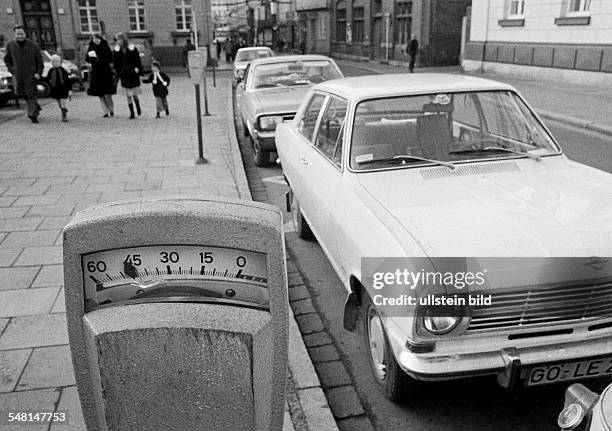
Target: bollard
(177,314)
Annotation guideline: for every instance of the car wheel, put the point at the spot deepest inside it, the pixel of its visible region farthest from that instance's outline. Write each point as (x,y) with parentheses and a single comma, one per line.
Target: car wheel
(299,222)
(393,382)
(261,156)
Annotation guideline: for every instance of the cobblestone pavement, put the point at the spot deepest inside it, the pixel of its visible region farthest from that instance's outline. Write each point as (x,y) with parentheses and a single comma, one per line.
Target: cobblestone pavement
(51,170)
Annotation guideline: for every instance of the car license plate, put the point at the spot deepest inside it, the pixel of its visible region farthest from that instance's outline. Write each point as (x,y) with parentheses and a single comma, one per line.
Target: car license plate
(585,369)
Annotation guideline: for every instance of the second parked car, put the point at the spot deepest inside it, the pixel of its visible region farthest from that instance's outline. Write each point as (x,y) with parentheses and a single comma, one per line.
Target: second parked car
(271,92)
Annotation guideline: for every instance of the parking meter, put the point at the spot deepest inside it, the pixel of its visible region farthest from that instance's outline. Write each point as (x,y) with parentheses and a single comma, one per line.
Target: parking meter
(177,314)
(196,62)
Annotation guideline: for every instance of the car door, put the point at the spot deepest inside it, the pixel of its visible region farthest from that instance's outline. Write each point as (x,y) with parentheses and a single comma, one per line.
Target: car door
(325,188)
(302,178)
(241,95)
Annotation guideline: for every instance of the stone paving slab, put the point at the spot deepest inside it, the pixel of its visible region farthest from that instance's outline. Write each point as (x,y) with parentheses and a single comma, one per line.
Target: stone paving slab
(17,278)
(20,302)
(42,400)
(35,331)
(48,367)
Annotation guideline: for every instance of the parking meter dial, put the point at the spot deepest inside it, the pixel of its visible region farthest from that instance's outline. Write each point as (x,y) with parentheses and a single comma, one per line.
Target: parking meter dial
(175,273)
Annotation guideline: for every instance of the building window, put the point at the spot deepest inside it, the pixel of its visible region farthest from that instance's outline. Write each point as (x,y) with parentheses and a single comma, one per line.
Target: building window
(516,9)
(136,12)
(578,7)
(358,20)
(88,14)
(403,16)
(182,10)
(322,26)
(377,7)
(341,22)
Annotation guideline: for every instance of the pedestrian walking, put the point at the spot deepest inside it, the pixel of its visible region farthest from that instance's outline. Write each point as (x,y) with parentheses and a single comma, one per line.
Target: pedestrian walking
(60,85)
(227,47)
(303,47)
(23,58)
(160,82)
(235,48)
(186,48)
(101,77)
(413,49)
(129,67)
(219,46)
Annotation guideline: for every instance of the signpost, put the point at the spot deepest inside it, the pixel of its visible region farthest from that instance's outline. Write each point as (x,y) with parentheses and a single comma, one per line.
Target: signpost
(196,61)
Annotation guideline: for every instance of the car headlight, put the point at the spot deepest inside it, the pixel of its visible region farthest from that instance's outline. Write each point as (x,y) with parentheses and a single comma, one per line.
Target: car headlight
(4,83)
(441,320)
(269,122)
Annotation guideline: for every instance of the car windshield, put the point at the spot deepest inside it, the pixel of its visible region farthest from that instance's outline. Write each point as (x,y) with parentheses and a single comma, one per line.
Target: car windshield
(292,73)
(252,54)
(445,127)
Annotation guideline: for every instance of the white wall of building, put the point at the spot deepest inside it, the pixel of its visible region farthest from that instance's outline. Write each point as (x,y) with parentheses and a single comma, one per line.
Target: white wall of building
(540,24)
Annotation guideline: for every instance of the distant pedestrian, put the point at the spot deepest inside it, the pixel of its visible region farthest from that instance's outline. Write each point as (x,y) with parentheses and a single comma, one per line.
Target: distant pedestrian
(188,47)
(101,78)
(303,47)
(23,58)
(219,45)
(227,47)
(160,82)
(235,48)
(60,84)
(413,49)
(129,67)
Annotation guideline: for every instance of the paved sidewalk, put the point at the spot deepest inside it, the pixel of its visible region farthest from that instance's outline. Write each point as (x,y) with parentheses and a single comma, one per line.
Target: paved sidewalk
(579,105)
(50,171)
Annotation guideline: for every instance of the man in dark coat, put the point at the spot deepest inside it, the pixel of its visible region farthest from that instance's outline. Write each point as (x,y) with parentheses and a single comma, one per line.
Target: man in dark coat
(188,47)
(413,49)
(23,59)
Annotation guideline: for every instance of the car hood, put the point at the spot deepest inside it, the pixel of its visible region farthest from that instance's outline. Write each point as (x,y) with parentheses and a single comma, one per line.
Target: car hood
(286,99)
(529,215)
(553,208)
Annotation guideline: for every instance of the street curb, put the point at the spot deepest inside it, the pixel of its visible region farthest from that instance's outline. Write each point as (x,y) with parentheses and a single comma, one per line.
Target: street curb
(306,383)
(239,173)
(575,122)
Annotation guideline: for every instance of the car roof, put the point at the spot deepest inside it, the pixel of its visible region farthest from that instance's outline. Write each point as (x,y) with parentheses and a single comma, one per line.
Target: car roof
(287,58)
(255,48)
(363,87)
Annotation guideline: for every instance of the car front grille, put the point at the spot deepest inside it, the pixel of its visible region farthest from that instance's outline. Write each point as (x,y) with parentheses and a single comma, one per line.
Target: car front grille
(513,309)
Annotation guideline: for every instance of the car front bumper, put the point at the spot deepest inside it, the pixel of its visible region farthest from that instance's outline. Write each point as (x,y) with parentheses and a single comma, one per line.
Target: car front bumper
(510,365)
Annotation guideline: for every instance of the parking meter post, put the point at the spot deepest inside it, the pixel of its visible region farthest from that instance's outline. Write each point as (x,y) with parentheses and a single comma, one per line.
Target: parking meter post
(214,74)
(206,113)
(200,160)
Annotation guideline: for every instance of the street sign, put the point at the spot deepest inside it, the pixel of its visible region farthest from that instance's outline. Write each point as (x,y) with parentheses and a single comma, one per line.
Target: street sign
(196,61)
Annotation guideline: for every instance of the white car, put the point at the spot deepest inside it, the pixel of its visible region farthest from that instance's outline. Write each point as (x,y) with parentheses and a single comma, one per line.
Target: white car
(430,166)
(246,55)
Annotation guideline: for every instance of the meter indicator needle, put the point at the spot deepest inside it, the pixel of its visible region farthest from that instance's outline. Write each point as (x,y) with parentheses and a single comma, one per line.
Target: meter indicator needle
(202,271)
(168,270)
(130,269)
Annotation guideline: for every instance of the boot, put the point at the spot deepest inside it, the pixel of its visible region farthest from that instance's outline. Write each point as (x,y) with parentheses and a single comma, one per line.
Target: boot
(131,106)
(137,101)
(64,112)
(167,111)
(157,116)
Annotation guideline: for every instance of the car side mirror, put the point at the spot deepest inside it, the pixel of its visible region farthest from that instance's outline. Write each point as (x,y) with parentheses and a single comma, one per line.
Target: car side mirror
(238,79)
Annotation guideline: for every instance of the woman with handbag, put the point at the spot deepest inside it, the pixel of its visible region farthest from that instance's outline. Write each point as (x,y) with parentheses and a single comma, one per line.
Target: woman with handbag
(101,80)
(128,67)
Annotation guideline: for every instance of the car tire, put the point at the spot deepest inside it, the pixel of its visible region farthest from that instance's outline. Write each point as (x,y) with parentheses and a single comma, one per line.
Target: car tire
(392,381)
(299,222)
(261,156)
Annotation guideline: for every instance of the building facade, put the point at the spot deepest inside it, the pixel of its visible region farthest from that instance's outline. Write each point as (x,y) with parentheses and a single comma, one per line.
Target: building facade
(160,27)
(556,39)
(314,25)
(381,29)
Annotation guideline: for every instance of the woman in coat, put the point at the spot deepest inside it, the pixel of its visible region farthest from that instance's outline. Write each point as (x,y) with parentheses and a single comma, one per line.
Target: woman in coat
(129,68)
(101,80)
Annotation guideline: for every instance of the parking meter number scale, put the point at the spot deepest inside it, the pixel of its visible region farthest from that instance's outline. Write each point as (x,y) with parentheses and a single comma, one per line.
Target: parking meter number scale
(176,272)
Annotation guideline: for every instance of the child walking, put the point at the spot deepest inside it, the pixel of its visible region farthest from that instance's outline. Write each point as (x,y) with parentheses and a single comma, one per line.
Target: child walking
(160,82)
(60,85)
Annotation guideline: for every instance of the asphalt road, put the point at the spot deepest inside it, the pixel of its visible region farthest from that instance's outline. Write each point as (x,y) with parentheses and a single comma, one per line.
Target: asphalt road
(464,405)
